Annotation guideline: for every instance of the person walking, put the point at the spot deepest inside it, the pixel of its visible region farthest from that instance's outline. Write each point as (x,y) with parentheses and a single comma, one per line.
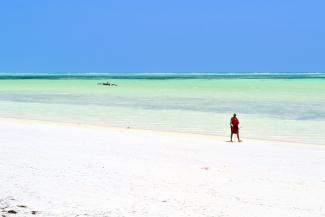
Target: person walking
(234,123)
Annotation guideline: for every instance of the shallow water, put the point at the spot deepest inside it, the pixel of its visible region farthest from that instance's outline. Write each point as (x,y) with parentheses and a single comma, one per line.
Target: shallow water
(286,107)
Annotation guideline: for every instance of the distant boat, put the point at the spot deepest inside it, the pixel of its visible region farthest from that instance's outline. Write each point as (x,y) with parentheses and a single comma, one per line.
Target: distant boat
(108,84)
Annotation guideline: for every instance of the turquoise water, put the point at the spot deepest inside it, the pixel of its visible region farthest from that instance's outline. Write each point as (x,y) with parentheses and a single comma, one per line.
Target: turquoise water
(274,106)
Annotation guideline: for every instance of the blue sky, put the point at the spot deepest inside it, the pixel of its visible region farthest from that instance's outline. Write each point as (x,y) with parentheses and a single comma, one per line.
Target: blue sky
(162,36)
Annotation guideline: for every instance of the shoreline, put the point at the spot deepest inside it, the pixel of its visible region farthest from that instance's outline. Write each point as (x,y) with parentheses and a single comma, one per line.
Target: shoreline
(216,138)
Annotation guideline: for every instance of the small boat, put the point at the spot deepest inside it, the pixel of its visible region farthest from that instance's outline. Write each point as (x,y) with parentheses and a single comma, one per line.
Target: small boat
(108,84)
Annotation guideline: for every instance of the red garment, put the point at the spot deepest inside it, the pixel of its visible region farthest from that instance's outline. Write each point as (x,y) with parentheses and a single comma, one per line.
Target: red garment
(234,125)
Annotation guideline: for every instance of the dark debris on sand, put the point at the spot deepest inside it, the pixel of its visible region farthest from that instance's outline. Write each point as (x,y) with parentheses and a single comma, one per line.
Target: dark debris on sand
(12,211)
(22,206)
(9,206)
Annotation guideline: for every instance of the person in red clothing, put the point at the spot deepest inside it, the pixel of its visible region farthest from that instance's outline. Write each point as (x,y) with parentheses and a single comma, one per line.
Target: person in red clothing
(234,122)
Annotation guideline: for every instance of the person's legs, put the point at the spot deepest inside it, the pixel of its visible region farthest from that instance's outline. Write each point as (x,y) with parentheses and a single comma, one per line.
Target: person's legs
(231,136)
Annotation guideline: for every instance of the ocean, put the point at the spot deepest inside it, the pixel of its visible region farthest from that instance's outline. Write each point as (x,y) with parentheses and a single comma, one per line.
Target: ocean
(270,106)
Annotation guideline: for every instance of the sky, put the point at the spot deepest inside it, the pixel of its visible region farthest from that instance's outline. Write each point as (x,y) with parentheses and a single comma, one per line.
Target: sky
(162,36)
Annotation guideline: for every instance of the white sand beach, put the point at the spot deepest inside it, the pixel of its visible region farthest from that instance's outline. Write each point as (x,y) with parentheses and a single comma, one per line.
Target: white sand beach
(73,170)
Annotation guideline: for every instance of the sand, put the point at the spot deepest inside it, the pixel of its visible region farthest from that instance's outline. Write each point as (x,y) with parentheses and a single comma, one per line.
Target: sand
(55,169)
